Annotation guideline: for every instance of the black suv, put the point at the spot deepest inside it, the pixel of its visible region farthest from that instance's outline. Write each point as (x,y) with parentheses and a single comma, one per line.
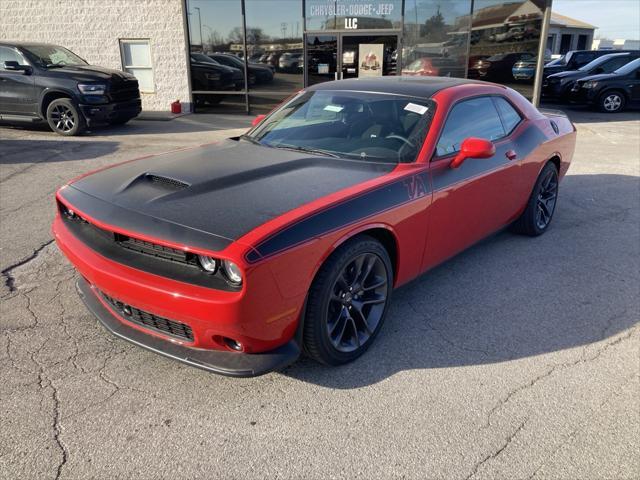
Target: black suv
(610,92)
(574,59)
(558,85)
(45,82)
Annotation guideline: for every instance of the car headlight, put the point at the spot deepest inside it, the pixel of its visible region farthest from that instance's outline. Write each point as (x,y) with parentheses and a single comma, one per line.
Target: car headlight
(233,272)
(208,264)
(92,88)
(590,84)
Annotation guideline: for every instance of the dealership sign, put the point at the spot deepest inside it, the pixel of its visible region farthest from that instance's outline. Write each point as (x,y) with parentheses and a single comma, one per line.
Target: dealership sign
(351,9)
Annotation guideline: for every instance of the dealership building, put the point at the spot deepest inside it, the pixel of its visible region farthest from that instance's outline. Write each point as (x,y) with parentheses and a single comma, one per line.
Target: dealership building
(270,49)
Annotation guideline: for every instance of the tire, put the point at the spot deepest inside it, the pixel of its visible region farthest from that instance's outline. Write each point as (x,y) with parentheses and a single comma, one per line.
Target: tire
(345,311)
(64,117)
(612,101)
(537,216)
(118,121)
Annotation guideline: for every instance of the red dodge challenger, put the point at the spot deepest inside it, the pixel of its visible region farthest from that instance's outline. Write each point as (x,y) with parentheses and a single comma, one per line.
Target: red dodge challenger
(235,257)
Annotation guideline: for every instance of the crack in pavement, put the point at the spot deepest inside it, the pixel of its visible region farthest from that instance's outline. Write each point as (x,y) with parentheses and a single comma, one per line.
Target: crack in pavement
(495,454)
(6,273)
(556,367)
(573,433)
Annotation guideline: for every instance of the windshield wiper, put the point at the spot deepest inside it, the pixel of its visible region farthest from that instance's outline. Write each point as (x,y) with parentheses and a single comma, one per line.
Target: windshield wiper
(298,148)
(55,65)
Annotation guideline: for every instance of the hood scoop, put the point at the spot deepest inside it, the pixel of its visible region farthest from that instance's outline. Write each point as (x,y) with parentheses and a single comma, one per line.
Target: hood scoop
(167,182)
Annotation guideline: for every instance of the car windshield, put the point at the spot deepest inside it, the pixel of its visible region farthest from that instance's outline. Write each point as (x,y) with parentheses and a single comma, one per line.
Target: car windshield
(594,63)
(628,68)
(51,56)
(363,126)
(558,61)
(202,58)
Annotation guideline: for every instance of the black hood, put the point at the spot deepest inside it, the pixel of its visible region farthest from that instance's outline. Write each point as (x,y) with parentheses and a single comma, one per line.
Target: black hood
(91,72)
(225,190)
(569,75)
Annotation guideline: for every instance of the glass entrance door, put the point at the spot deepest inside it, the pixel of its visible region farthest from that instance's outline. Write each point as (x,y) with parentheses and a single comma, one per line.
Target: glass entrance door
(348,55)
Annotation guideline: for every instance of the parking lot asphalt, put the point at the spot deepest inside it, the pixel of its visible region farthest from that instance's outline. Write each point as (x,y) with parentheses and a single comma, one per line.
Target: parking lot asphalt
(517,359)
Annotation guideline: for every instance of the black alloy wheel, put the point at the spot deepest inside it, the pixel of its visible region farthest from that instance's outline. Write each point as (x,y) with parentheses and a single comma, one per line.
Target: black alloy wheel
(547,196)
(348,301)
(64,118)
(537,216)
(357,302)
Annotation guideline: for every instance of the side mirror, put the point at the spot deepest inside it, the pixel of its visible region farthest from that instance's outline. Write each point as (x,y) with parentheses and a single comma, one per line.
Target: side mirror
(257,120)
(598,70)
(15,66)
(473,147)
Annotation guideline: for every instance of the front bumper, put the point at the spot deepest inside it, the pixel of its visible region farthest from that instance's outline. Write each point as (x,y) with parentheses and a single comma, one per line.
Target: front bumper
(582,96)
(96,114)
(221,362)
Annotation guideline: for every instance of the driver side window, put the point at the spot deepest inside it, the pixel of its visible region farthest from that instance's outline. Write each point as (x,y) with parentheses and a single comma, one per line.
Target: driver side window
(10,55)
(476,117)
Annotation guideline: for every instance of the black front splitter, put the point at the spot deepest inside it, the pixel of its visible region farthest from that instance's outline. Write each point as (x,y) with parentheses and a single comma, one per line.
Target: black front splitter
(215,361)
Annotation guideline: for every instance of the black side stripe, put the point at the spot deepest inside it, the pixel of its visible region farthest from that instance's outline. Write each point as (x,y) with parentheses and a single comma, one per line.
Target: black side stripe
(340,215)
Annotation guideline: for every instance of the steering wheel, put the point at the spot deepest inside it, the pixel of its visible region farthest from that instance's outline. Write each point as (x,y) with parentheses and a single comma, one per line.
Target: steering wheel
(402,139)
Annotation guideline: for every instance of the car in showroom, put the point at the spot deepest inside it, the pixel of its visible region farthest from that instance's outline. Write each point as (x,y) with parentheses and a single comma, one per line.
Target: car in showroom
(558,85)
(610,92)
(40,82)
(235,257)
(434,67)
(257,73)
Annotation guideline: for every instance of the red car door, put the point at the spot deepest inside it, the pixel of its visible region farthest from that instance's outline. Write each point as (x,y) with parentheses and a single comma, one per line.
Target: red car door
(483,194)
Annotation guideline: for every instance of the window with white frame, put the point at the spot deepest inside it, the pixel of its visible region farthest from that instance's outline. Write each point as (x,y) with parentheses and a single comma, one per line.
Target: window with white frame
(136,59)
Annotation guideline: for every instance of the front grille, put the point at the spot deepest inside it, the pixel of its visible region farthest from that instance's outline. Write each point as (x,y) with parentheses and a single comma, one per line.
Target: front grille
(143,255)
(123,91)
(149,320)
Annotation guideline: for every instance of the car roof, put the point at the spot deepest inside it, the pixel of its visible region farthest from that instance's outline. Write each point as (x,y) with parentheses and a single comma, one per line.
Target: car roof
(411,86)
(6,43)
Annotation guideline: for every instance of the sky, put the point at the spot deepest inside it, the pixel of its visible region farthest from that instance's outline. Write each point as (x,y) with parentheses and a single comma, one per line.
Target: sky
(614,18)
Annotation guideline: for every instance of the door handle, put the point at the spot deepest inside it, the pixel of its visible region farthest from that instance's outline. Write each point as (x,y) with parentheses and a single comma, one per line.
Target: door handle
(511,155)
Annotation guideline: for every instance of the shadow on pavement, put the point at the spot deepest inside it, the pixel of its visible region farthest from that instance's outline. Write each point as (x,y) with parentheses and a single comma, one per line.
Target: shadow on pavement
(511,297)
(57,149)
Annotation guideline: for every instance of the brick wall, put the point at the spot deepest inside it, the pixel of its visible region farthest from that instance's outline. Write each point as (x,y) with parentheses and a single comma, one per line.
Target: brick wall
(92,28)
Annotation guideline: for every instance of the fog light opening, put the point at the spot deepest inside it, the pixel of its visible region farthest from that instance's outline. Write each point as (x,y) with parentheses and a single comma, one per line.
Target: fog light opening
(233,344)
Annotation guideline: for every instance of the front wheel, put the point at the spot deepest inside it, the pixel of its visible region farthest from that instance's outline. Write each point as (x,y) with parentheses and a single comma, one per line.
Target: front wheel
(348,302)
(537,216)
(64,117)
(611,102)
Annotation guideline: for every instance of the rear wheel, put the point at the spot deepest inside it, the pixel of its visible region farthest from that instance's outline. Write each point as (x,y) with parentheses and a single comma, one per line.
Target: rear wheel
(611,102)
(64,117)
(537,216)
(348,302)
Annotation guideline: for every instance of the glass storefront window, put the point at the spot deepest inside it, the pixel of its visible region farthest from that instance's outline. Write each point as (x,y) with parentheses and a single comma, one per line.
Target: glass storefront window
(215,28)
(505,37)
(353,14)
(274,48)
(436,36)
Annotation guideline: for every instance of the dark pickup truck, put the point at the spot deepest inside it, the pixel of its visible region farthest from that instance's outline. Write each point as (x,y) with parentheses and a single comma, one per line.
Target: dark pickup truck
(42,82)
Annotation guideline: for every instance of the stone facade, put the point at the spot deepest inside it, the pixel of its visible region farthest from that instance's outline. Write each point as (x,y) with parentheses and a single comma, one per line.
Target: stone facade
(93,28)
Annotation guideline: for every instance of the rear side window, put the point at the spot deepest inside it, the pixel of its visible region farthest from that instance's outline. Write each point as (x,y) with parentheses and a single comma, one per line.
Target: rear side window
(510,117)
(476,117)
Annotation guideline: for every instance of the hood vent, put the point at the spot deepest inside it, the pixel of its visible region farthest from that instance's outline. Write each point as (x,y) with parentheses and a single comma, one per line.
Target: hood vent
(167,182)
